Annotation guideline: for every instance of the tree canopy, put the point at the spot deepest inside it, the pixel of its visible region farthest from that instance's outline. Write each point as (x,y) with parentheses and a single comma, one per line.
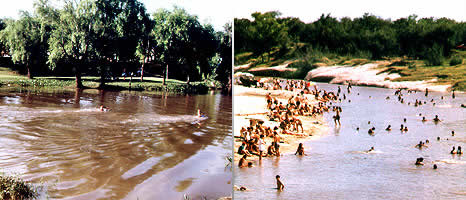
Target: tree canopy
(111,36)
(367,36)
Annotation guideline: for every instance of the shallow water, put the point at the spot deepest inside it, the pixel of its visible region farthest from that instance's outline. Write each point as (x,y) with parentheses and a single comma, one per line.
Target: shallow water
(337,166)
(145,147)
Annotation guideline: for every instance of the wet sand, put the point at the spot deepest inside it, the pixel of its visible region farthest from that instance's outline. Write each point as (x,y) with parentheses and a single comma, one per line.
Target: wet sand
(250,103)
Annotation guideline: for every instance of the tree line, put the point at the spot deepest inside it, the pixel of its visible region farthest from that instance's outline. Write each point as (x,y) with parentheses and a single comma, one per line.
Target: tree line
(102,37)
(367,36)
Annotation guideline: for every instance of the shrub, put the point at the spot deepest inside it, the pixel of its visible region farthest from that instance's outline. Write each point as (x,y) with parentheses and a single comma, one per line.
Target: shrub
(455,60)
(15,188)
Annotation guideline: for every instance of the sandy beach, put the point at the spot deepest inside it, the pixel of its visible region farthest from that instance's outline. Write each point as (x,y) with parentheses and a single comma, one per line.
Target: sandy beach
(250,103)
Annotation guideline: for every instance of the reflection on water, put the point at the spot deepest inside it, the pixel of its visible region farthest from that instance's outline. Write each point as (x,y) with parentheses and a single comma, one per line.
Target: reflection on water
(146,147)
(338,166)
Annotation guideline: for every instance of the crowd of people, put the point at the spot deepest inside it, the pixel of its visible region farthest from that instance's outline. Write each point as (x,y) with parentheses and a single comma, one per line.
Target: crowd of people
(287,113)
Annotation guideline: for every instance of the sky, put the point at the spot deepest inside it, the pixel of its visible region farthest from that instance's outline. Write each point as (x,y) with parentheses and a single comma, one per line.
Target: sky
(215,12)
(310,10)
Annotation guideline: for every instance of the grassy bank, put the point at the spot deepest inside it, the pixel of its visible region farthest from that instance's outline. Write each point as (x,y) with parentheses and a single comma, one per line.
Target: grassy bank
(11,79)
(451,71)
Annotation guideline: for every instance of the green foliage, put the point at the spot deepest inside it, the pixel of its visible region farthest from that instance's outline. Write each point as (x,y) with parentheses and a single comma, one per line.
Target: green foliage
(434,55)
(15,188)
(456,60)
(182,42)
(364,37)
(24,40)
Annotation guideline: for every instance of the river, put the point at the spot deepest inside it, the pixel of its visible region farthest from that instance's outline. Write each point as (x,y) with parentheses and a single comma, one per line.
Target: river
(148,146)
(337,166)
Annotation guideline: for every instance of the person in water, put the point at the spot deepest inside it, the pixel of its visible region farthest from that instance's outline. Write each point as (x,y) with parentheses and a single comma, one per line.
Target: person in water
(300,150)
(453,150)
(102,108)
(436,119)
(242,161)
(452,133)
(419,161)
(459,150)
(435,166)
(200,114)
(424,119)
(371,149)
(389,128)
(280,185)
(336,118)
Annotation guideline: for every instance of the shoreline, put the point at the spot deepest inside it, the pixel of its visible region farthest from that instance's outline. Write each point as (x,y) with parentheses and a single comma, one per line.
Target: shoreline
(251,103)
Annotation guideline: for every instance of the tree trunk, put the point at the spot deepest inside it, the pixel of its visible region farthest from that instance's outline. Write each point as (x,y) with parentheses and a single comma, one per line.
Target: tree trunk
(30,76)
(78,79)
(142,70)
(165,76)
(102,80)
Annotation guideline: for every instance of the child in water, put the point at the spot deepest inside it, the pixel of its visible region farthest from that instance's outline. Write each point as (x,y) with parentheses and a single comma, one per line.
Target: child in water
(280,185)
(300,150)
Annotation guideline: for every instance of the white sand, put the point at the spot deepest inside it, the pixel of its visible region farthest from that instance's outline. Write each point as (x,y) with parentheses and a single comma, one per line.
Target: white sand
(368,74)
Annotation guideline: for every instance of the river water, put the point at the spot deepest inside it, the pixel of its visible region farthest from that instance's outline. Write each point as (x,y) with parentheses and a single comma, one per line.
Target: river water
(337,166)
(147,146)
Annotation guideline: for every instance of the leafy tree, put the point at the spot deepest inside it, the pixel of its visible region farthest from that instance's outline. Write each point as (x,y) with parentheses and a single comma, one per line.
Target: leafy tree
(24,41)
(267,32)
(224,70)
(73,37)
(184,43)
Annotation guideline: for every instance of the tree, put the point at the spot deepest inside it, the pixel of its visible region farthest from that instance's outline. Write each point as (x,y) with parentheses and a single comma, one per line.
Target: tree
(224,70)
(268,32)
(184,43)
(73,37)
(24,41)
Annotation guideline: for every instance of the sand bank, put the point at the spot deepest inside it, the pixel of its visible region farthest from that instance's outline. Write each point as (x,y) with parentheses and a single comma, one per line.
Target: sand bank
(250,103)
(370,75)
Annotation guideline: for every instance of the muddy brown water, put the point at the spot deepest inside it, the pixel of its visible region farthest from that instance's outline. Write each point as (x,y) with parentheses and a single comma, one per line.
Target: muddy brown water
(148,146)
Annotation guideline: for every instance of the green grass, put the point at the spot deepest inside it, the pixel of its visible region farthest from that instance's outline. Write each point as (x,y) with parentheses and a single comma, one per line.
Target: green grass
(11,79)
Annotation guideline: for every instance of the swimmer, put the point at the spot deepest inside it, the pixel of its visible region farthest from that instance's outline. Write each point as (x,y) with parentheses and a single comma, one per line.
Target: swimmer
(357,128)
(401,128)
(452,133)
(459,150)
(453,150)
(280,185)
(427,141)
(424,119)
(242,161)
(300,150)
(369,122)
(438,138)
(250,164)
(405,129)
(435,166)
(103,108)
(419,161)
(389,128)
(200,114)
(404,120)
(436,119)
(370,131)
(372,149)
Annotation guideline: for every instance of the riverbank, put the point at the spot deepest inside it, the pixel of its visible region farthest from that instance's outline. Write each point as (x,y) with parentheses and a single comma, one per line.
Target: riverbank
(250,103)
(389,73)
(12,80)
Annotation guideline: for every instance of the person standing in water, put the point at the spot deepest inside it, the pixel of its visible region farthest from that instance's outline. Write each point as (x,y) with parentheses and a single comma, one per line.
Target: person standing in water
(427,92)
(300,150)
(280,185)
